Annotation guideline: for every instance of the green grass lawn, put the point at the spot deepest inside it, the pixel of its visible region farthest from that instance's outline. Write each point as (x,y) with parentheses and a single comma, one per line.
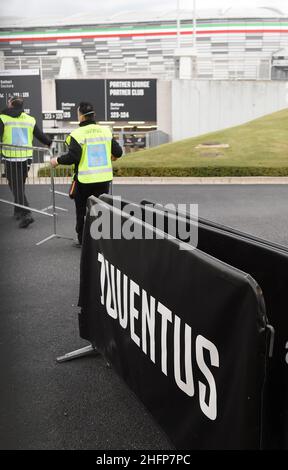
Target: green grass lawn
(259,147)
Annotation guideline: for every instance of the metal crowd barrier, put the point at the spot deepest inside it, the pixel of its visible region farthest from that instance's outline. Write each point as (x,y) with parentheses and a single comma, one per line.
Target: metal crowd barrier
(22,168)
(64,173)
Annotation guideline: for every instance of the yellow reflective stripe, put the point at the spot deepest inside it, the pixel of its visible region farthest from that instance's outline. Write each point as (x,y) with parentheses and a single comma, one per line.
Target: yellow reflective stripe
(94,172)
(19,123)
(98,139)
(18,159)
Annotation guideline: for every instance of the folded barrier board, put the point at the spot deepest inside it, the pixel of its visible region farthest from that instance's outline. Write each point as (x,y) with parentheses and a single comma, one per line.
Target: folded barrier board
(186,332)
(267,263)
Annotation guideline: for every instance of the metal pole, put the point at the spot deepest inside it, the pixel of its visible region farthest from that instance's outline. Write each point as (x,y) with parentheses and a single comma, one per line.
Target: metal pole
(41,67)
(194,24)
(53,202)
(178,23)
(78,353)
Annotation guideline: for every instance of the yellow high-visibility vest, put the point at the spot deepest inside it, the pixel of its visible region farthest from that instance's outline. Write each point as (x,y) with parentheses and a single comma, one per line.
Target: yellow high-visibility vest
(95,165)
(18,131)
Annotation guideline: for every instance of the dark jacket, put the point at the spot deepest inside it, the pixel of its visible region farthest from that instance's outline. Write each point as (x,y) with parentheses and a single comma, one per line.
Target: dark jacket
(75,151)
(14,113)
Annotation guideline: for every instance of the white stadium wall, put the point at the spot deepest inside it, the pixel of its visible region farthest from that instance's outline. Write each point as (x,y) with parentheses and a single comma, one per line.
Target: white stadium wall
(199,107)
(164,106)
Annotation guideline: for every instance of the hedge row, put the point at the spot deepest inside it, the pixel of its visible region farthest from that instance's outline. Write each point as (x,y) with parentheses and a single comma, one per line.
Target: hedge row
(60,170)
(202,171)
(181,172)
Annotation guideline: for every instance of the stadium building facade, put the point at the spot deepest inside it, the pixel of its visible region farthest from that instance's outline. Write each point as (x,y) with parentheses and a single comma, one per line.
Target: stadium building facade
(230,44)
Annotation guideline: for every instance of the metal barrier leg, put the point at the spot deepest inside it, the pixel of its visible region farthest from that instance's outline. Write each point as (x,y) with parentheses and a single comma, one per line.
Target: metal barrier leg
(46,209)
(54,234)
(31,209)
(56,207)
(91,349)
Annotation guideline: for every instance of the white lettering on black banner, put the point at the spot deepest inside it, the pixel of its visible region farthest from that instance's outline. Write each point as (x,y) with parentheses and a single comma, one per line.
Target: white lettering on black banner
(142,315)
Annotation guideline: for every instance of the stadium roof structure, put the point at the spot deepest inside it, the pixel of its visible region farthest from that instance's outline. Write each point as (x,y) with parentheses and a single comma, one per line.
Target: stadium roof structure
(93,18)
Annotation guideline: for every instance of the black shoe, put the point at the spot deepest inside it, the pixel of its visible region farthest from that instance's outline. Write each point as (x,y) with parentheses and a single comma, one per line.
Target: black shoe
(27,220)
(17,214)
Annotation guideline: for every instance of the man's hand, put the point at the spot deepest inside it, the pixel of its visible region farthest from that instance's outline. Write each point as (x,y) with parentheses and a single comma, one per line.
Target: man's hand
(53,162)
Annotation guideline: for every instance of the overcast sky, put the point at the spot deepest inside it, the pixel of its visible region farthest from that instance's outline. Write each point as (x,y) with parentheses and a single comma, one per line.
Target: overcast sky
(62,8)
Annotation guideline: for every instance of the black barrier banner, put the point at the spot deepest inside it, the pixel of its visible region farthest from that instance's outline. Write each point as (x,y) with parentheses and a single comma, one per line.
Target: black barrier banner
(267,263)
(180,327)
(24,84)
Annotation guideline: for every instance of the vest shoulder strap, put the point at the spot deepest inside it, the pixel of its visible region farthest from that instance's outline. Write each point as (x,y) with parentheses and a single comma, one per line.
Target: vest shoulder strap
(92,131)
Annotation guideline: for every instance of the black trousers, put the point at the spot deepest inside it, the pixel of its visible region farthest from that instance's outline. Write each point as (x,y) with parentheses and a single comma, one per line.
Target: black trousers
(83,191)
(16,174)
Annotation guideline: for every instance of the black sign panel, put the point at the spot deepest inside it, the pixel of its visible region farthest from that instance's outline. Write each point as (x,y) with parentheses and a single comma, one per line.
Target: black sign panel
(145,305)
(26,85)
(69,93)
(114,100)
(131,100)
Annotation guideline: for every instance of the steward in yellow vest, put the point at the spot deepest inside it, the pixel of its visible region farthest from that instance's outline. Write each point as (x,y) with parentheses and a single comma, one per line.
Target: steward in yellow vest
(91,149)
(18,128)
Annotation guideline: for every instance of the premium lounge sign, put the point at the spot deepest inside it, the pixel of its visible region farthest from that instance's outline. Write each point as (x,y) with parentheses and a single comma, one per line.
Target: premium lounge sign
(132,100)
(114,100)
